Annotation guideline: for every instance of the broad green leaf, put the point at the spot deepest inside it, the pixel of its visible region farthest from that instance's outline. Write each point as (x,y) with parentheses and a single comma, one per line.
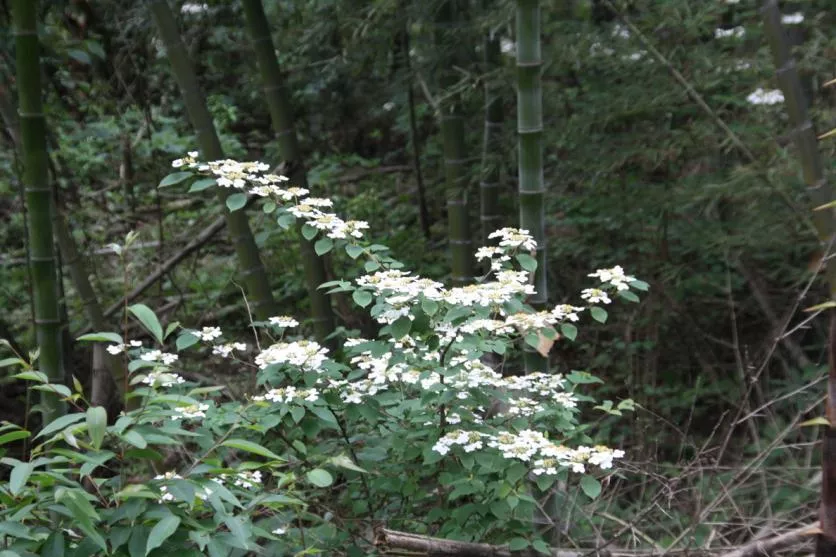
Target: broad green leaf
(400,327)
(135,439)
(430,307)
(541,547)
(186,340)
(60,423)
(17,479)
(79,56)
(268,207)
(148,319)
(323,245)
(354,251)
(170,329)
(629,296)
(590,486)
(518,544)
(362,297)
(320,477)
(174,178)
(568,330)
(13,436)
(371,266)
(250,447)
(54,545)
(527,262)
(286,220)
(639,285)
(202,184)
(236,201)
(309,232)
(102,337)
(96,425)
(161,531)
(598,314)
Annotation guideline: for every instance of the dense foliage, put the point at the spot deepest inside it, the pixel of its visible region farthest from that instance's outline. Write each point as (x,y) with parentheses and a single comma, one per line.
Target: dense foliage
(666,149)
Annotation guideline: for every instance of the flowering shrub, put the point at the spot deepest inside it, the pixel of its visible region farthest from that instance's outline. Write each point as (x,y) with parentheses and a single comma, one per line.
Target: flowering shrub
(417,422)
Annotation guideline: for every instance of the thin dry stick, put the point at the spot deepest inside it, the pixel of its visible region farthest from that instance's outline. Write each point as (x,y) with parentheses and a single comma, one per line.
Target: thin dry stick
(767,547)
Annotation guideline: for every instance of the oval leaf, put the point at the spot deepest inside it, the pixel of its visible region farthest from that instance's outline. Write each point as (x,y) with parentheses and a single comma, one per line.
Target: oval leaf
(236,201)
(161,531)
(320,477)
(96,425)
(174,178)
(148,319)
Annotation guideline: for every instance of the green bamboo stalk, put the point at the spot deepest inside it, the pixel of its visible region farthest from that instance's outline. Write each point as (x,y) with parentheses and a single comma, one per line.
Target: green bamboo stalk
(281,116)
(530,151)
(489,186)
(456,173)
(39,202)
(824,220)
(255,278)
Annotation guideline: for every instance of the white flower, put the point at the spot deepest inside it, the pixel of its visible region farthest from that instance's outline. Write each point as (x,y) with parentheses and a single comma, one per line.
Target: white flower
(614,276)
(514,238)
(208,334)
(761,96)
(280,531)
(792,19)
(595,296)
(388,106)
(736,32)
(191,412)
(159,356)
(620,31)
(162,379)
(507,46)
(305,354)
(224,350)
(193,8)
(247,479)
(283,321)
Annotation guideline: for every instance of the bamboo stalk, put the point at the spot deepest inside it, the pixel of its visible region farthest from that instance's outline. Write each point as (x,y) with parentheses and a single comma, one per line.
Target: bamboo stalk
(824,220)
(252,271)
(530,152)
(281,117)
(38,199)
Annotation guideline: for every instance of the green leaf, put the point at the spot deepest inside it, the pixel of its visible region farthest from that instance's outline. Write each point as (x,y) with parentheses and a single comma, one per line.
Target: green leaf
(362,297)
(79,56)
(286,220)
(821,420)
(240,531)
(61,390)
(598,314)
(527,262)
(54,545)
(323,245)
(518,544)
(202,184)
(186,340)
(590,486)
(93,47)
(38,376)
(236,201)
(13,436)
(135,439)
(430,307)
(400,327)
(541,547)
(102,337)
(20,473)
(629,296)
(569,331)
(11,362)
(345,462)
(320,477)
(639,285)
(174,178)
(250,447)
(148,319)
(371,266)
(60,423)
(161,531)
(96,425)
(354,251)
(170,329)
(309,232)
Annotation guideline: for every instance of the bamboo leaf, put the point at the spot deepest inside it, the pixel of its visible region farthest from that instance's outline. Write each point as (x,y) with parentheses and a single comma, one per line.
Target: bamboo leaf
(250,447)
(13,436)
(148,319)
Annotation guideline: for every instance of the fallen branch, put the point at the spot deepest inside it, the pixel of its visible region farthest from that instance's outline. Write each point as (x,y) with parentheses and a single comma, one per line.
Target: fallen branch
(392,542)
(768,546)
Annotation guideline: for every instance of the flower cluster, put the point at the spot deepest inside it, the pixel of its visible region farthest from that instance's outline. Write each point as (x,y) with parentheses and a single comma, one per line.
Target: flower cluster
(119,348)
(165,358)
(283,321)
(287,395)
(529,445)
(208,334)
(225,350)
(304,354)
(761,96)
(735,32)
(160,378)
(247,479)
(514,238)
